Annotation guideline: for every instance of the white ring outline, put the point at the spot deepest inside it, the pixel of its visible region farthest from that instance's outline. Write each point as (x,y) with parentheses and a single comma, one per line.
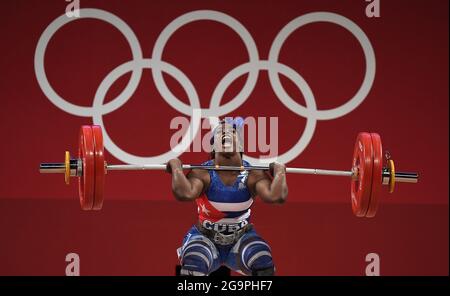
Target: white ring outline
(308,95)
(61,103)
(187,138)
(220,17)
(369,55)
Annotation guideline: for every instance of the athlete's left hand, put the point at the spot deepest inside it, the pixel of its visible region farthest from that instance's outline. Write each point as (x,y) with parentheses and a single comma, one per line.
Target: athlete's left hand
(277,168)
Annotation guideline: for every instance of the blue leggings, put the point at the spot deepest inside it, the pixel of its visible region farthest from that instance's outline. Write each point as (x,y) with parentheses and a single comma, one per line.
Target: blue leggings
(200,256)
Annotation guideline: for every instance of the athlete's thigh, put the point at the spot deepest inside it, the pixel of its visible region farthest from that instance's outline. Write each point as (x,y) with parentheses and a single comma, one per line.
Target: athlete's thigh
(198,255)
(251,255)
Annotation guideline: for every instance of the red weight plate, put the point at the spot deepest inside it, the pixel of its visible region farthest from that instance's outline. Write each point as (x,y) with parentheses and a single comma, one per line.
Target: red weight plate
(86,182)
(363,161)
(377,174)
(99,167)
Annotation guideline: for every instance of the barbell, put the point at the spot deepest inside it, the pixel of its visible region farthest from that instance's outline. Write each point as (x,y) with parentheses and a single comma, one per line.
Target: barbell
(367,174)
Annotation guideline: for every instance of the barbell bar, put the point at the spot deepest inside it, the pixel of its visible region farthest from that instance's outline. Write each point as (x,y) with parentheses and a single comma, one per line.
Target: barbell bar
(59,168)
(367,174)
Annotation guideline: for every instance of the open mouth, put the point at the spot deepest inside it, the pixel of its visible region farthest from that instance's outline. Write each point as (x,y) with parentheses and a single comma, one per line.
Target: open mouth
(227,140)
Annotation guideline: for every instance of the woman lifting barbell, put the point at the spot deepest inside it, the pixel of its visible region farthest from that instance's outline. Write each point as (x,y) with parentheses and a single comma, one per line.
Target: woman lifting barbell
(224,234)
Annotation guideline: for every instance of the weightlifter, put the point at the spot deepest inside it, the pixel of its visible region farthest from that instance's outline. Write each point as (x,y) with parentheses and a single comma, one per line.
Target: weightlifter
(223,234)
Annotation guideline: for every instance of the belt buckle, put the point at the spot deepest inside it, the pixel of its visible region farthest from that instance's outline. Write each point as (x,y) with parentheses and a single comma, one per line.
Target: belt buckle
(224,239)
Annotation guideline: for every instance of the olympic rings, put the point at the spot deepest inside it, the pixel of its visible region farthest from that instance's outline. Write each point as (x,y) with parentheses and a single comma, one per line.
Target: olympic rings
(194,110)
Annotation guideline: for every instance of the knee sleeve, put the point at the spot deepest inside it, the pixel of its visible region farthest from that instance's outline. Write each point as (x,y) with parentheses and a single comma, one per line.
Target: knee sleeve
(197,256)
(255,255)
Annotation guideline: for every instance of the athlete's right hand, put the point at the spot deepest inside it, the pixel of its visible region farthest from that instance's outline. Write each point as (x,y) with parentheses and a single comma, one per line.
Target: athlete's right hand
(173,164)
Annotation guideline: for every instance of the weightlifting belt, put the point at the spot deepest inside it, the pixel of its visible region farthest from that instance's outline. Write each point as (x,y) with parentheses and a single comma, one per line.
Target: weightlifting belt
(222,238)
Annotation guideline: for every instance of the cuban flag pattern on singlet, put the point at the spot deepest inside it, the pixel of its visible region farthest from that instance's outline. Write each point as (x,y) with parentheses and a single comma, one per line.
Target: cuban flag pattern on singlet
(225,204)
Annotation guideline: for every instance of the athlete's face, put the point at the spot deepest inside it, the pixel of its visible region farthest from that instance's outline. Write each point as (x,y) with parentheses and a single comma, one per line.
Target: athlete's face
(226,139)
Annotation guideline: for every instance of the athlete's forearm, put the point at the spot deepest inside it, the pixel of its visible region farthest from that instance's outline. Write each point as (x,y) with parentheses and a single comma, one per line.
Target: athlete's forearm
(279,188)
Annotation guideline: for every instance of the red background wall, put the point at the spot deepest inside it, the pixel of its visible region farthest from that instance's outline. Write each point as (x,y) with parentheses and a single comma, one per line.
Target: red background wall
(141,225)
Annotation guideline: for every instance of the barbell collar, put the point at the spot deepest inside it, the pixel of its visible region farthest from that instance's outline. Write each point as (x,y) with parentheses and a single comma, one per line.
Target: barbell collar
(76,168)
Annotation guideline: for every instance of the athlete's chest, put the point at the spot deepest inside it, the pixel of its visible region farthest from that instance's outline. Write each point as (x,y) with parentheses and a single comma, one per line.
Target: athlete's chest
(230,178)
(228,188)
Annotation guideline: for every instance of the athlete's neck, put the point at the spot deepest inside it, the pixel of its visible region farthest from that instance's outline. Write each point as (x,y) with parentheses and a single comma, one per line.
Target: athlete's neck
(228,158)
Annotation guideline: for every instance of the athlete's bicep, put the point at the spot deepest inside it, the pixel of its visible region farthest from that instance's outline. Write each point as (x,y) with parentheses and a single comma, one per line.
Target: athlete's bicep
(259,184)
(198,182)
(262,188)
